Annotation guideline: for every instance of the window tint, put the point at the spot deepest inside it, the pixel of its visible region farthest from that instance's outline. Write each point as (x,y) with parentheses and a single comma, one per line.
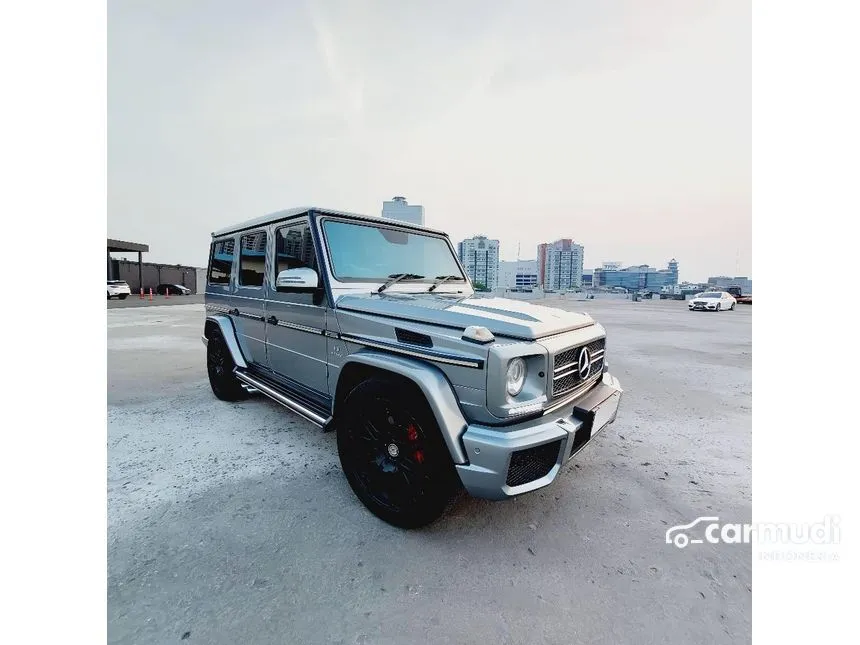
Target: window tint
(295,248)
(252,260)
(222,261)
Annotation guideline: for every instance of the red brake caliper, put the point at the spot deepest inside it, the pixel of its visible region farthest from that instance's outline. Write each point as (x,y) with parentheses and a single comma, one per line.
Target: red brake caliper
(412,435)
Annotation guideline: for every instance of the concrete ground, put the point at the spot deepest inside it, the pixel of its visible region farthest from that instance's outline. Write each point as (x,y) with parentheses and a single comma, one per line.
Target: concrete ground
(157,301)
(232,523)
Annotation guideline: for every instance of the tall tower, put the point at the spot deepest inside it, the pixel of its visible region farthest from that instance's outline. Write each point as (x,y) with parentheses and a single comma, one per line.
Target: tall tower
(673,269)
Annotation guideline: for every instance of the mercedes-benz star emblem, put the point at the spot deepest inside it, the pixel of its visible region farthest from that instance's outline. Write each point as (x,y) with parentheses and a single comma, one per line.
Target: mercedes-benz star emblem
(584,363)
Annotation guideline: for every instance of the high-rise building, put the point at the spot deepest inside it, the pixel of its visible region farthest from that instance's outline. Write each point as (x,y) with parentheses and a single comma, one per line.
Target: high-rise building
(399,209)
(560,264)
(480,257)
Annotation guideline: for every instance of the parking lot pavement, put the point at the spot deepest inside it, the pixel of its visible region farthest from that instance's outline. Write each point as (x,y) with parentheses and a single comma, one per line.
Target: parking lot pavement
(134,300)
(232,523)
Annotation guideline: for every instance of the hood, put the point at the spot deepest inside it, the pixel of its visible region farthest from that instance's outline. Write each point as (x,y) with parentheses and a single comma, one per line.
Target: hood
(502,316)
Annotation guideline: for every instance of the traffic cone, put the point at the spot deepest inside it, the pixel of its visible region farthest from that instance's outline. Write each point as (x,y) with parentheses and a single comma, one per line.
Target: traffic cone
(166,292)
(141,293)
(150,294)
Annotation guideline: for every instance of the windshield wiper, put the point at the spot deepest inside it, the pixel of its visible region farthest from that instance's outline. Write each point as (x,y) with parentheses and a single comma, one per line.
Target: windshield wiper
(442,279)
(397,277)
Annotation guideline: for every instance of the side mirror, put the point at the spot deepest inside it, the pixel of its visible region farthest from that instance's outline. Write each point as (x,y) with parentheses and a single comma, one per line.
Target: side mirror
(301,278)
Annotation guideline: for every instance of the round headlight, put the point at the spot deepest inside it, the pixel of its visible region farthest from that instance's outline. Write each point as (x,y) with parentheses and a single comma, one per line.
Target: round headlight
(516,376)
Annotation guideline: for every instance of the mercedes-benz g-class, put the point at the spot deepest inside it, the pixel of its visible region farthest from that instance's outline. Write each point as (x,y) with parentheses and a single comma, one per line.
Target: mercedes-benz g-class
(370,327)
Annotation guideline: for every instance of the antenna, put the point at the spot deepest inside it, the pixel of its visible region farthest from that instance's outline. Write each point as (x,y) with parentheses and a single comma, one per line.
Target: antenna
(518,251)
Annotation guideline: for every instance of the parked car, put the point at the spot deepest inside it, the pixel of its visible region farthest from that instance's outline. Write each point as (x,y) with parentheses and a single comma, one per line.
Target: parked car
(371,328)
(175,289)
(118,289)
(712,301)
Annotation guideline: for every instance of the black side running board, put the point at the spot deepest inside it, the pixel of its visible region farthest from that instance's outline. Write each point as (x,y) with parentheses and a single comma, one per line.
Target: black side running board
(277,394)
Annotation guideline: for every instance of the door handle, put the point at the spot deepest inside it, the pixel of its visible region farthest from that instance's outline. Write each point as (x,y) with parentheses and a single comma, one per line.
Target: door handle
(272,320)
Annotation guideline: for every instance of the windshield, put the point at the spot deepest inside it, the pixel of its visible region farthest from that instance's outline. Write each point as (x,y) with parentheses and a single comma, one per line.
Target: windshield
(711,294)
(369,253)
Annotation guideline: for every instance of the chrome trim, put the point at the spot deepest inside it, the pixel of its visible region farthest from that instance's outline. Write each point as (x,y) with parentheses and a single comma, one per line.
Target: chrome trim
(596,356)
(297,327)
(435,357)
(331,334)
(570,396)
(287,402)
(245,314)
(225,310)
(576,371)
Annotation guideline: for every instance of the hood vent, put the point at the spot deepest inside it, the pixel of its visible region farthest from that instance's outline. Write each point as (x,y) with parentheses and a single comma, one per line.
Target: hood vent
(413,337)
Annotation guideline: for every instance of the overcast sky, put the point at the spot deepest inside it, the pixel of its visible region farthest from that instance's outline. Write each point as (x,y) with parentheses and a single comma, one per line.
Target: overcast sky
(624,124)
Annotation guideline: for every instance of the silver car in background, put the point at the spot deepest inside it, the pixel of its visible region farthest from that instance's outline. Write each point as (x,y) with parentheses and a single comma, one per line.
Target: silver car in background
(370,328)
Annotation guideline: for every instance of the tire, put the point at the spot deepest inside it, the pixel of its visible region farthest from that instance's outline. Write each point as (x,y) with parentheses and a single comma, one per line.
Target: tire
(732,308)
(123,296)
(393,455)
(718,306)
(108,294)
(219,365)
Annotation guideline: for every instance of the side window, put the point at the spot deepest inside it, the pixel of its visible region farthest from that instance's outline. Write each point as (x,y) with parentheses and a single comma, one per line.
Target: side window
(252,259)
(294,248)
(222,261)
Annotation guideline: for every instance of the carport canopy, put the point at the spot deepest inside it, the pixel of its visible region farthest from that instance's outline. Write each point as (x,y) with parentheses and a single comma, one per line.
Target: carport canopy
(118,246)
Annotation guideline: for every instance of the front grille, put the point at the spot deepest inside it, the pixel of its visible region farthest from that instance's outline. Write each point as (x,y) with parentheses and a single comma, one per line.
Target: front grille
(532,463)
(566,373)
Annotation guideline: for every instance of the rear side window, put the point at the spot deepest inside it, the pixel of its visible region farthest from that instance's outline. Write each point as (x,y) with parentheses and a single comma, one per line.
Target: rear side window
(252,260)
(222,261)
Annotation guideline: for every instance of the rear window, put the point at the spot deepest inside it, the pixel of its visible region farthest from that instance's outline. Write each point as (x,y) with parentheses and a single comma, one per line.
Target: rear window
(252,260)
(222,261)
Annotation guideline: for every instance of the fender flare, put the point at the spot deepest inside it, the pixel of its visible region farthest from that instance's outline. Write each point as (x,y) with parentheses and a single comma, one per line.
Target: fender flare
(228,331)
(432,383)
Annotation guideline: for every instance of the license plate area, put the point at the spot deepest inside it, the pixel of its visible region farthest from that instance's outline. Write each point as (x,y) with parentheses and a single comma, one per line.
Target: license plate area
(593,421)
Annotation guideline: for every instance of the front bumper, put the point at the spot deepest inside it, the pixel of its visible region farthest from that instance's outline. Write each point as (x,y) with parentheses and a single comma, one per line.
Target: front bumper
(504,462)
(700,306)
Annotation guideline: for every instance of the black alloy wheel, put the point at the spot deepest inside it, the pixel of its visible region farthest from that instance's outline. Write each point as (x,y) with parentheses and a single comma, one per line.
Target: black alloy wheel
(393,455)
(220,365)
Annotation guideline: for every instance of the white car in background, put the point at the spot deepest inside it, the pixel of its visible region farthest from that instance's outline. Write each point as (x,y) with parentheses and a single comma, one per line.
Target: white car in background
(118,289)
(712,301)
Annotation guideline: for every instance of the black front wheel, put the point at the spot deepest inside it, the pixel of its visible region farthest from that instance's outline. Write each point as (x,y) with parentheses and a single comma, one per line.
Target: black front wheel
(220,365)
(393,455)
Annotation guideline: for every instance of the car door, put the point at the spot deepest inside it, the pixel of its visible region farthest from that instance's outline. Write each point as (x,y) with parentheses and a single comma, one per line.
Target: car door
(249,303)
(296,317)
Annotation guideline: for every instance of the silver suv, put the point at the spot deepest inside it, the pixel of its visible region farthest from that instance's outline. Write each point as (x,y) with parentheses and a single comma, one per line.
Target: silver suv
(370,328)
